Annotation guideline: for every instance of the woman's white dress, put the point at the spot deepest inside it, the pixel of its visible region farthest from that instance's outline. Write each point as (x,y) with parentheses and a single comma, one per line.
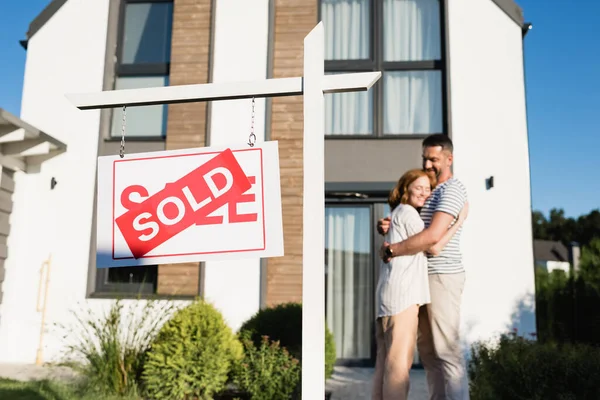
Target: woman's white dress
(403,281)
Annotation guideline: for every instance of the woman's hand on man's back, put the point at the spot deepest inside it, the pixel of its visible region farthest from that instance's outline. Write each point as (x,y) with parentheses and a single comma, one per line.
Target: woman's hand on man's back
(383,225)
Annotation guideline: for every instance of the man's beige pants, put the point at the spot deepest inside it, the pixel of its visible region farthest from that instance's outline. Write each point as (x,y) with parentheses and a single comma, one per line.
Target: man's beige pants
(438,340)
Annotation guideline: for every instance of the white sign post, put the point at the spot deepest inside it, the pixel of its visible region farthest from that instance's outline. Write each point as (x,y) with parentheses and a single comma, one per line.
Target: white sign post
(312,86)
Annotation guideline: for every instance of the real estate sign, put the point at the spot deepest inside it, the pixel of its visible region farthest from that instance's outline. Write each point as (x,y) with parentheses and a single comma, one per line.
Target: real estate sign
(189,205)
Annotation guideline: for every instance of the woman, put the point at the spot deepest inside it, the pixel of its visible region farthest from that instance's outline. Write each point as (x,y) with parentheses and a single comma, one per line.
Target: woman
(403,287)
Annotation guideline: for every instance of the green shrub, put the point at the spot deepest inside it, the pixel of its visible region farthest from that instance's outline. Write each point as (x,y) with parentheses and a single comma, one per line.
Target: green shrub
(283,323)
(114,345)
(330,355)
(267,372)
(518,368)
(567,306)
(192,355)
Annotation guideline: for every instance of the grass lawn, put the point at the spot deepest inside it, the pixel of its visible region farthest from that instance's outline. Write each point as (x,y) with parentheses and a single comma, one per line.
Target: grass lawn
(42,390)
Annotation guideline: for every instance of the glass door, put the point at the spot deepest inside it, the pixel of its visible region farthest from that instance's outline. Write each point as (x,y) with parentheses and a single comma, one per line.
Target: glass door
(349,280)
(351,274)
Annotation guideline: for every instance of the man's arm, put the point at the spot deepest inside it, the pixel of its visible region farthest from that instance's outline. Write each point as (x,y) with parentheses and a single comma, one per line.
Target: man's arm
(425,239)
(451,202)
(437,248)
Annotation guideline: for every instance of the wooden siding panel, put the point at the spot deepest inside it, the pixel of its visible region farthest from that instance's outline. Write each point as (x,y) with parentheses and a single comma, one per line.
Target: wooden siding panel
(294,19)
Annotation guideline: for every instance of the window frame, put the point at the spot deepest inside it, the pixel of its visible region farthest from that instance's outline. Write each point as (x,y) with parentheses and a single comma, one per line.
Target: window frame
(122,70)
(376,63)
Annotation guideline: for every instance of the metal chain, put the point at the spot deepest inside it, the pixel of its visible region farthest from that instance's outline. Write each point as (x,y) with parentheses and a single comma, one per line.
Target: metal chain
(252,137)
(122,149)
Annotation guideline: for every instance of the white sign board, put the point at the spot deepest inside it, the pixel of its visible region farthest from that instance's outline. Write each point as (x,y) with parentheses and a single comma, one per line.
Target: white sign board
(189,205)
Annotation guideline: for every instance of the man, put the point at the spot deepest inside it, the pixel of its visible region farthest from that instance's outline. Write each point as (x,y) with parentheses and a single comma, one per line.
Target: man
(438,339)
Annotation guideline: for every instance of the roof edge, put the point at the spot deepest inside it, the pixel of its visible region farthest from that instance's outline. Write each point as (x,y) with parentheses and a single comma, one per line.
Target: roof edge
(43,17)
(512,9)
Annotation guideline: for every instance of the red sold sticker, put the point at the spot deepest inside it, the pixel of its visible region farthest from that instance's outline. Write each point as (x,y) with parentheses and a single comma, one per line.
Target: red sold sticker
(181,204)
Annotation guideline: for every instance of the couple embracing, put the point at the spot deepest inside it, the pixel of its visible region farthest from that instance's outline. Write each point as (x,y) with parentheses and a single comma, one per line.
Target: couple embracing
(422,279)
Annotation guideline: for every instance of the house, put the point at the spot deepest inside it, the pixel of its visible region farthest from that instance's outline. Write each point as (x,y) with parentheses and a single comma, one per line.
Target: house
(553,255)
(453,67)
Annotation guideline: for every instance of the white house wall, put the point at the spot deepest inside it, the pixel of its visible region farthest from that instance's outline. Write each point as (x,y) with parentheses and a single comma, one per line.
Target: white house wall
(66,55)
(240,54)
(490,135)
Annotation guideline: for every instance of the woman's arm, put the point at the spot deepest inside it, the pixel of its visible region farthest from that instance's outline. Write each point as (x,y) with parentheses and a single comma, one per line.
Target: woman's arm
(437,248)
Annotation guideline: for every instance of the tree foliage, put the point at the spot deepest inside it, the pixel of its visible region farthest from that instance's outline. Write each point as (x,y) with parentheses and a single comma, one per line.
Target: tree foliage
(558,227)
(568,305)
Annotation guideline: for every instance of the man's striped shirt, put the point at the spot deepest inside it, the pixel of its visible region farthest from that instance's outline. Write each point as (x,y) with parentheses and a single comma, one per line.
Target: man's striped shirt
(448,197)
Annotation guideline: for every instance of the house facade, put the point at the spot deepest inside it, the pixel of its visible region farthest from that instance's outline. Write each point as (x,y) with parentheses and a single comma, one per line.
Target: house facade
(553,255)
(453,67)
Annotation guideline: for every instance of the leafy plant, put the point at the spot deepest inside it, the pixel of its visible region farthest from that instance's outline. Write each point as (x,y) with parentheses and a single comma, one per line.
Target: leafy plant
(283,323)
(330,354)
(567,306)
(519,368)
(110,348)
(192,355)
(267,372)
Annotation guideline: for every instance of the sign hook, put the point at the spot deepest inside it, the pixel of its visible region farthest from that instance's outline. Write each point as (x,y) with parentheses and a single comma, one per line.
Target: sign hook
(122,149)
(252,137)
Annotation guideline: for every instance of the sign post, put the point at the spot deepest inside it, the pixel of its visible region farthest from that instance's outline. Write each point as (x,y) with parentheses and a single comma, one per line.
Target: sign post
(312,86)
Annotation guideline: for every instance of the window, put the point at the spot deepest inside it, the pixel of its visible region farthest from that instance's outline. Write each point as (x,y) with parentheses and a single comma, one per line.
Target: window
(143,55)
(143,60)
(401,38)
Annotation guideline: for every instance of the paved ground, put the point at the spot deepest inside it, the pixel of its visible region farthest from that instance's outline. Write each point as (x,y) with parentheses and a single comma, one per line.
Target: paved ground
(346,383)
(355,384)
(26,372)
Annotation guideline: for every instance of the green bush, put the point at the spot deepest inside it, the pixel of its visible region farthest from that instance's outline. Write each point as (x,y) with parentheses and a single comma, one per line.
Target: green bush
(192,355)
(283,323)
(567,306)
(267,372)
(518,368)
(114,345)
(330,355)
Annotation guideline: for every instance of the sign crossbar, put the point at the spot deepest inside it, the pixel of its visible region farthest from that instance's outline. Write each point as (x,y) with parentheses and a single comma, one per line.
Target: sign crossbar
(313,85)
(277,87)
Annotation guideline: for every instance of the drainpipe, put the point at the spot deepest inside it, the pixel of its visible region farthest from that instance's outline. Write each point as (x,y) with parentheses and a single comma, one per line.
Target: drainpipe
(43,308)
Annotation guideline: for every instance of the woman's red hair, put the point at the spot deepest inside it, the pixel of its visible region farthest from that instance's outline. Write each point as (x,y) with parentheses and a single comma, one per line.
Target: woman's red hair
(399,194)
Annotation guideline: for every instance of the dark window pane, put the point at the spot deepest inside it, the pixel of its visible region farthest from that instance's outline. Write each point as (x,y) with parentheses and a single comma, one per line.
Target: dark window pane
(412,102)
(411,30)
(132,275)
(143,120)
(134,280)
(347,24)
(147,33)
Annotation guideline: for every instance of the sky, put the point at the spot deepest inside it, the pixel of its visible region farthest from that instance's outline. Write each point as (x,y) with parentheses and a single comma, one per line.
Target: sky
(562,61)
